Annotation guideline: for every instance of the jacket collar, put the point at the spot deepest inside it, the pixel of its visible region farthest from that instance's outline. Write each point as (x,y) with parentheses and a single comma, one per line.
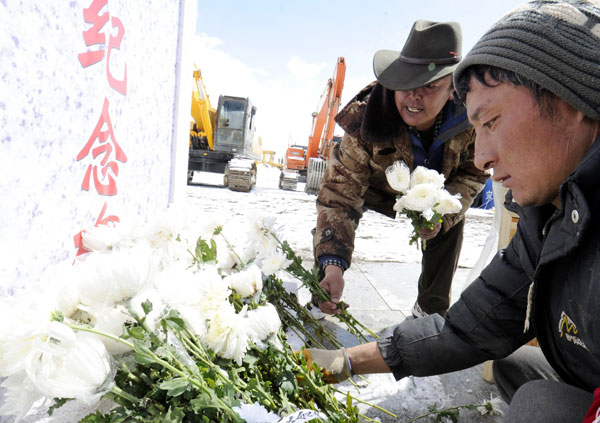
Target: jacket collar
(372,115)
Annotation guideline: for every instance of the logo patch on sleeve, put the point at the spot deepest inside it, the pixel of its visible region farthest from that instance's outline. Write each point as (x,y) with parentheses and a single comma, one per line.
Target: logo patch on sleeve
(568,330)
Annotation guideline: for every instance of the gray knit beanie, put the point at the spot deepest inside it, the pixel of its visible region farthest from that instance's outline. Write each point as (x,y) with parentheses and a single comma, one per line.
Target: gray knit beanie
(556,44)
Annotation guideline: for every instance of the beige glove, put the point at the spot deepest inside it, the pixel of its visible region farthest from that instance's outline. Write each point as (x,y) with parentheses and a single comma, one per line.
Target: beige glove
(335,364)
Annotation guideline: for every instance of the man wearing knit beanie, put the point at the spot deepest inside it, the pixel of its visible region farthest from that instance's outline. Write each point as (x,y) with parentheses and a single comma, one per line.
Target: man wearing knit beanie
(531,86)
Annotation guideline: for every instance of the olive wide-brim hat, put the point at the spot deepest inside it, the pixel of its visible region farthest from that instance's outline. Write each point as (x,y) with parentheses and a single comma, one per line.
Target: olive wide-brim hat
(432,51)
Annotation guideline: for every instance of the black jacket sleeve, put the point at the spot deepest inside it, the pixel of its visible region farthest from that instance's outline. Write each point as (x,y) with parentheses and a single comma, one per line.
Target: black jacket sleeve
(485,323)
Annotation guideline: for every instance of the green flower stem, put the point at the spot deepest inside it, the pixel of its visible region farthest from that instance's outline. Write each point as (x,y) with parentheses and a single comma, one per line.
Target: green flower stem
(232,250)
(130,374)
(158,360)
(125,395)
(389,413)
(300,329)
(238,385)
(198,384)
(304,315)
(100,333)
(307,280)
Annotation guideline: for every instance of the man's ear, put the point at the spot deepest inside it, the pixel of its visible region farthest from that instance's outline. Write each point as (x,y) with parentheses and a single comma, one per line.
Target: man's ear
(451,96)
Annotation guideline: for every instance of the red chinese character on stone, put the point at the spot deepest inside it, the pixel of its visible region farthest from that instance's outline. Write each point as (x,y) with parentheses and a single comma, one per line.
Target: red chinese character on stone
(115,42)
(101,220)
(107,167)
(93,36)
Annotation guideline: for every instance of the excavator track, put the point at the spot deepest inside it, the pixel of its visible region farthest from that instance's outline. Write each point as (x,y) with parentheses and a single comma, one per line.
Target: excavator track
(240,175)
(288,181)
(316,170)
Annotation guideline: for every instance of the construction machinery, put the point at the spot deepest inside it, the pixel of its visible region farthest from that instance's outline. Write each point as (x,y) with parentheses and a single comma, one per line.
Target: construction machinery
(311,161)
(222,140)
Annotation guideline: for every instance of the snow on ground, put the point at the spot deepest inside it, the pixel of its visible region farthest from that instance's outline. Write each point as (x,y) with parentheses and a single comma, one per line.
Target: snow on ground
(378,238)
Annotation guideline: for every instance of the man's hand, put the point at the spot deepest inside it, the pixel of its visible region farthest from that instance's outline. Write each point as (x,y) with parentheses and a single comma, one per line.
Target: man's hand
(428,234)
(332,283)
(334,364)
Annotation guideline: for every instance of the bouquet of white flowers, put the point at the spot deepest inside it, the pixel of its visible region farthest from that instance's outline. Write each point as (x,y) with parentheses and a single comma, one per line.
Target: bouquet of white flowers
(173,324)
(422,198)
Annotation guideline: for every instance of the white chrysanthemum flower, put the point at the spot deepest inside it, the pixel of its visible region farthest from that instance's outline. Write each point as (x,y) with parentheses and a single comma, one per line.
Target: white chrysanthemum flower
(227,333)
(215,296)
(263,322)
(101,237)
(266,246)
(491,407)
(68,364)
(195,320)
(247,282)
(428,214)
(274,263)
(398,176)
(166,228)
(168,237)
(448,203)
(177,285)
(256,413)
(208,225)
(114,276)
(259,224)
(422,175)
(226,259)
(23,319)
(419,198)
(19,395)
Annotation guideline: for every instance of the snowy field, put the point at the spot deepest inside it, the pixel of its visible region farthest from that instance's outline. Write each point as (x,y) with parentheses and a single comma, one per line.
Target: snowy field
(378,237)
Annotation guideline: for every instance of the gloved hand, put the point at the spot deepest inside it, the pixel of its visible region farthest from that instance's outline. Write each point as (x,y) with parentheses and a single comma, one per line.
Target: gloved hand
(335,364)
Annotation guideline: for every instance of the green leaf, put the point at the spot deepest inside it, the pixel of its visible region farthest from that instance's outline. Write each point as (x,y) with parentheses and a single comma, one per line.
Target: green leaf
(98,417)
(57,316)
(175,387)
(205,400)
(143,354)
(135,332)
(147,306)
(174,415)
(205,252)
(286,382)
(174,321)
(58,402)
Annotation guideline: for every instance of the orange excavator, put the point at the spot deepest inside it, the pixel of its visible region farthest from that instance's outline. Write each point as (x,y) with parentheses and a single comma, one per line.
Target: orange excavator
(311,161)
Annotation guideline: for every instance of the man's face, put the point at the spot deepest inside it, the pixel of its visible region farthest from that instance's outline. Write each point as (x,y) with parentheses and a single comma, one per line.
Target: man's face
(531,153)
(419,107)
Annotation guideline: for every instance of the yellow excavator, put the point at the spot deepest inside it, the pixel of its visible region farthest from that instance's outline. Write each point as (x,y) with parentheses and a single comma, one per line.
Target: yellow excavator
(222,140)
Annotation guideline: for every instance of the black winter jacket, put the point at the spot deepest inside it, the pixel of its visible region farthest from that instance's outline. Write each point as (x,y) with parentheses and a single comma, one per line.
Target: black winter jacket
(545,284)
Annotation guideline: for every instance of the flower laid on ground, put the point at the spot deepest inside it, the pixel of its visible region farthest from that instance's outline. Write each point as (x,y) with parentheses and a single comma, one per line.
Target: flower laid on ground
(423,198)
(172,326)
(491,407)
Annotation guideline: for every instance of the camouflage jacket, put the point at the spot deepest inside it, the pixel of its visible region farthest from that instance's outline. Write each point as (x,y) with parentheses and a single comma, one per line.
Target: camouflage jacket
(375,137)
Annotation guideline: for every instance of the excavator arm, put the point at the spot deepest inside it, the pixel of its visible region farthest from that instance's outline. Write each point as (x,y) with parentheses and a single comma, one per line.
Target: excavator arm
(202,112)
(320,141)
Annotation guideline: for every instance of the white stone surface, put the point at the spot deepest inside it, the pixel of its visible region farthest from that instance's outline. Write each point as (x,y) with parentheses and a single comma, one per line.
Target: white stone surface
(49,107)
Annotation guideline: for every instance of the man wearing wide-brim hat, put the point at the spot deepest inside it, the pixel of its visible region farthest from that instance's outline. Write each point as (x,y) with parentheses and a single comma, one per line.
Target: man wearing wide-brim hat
(408,114)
